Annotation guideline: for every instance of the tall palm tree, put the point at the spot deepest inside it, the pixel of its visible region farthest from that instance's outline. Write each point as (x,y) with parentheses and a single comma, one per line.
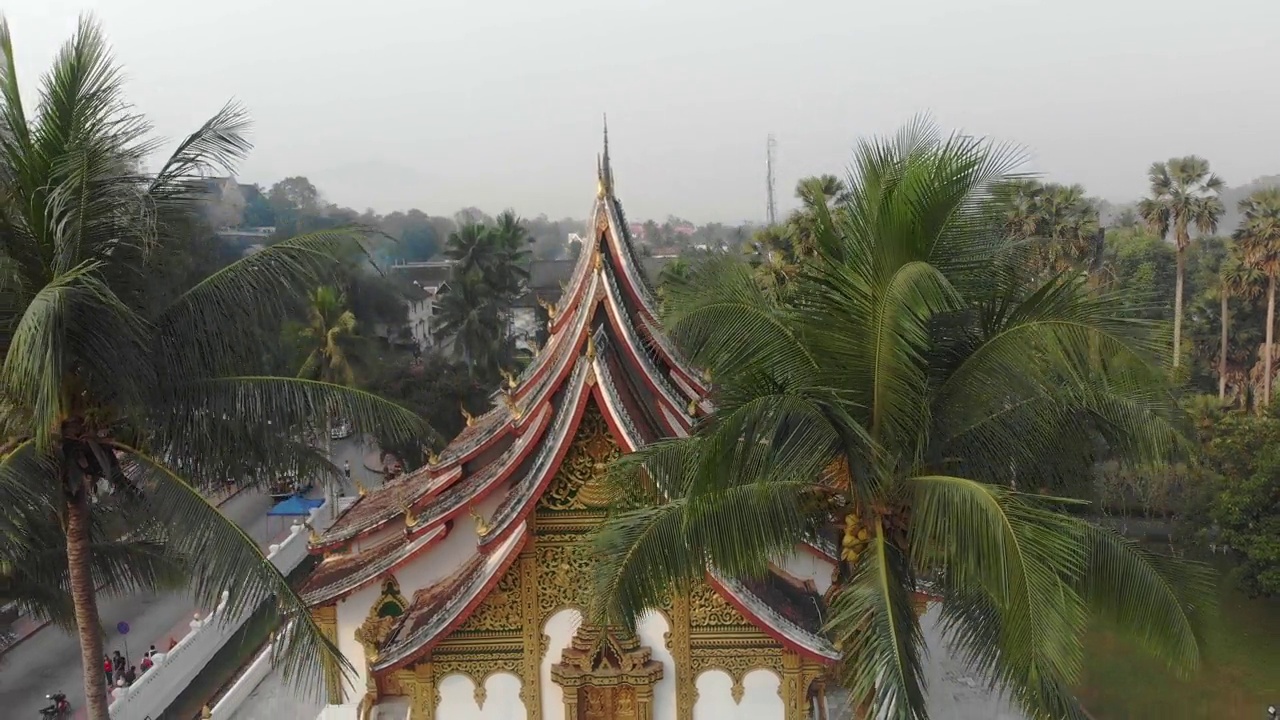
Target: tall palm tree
(105,379)
(470,247)
(469,313)
(327,337)
(1184,196)
(916,376)
(1259,237)
(511,241)
(1237,278)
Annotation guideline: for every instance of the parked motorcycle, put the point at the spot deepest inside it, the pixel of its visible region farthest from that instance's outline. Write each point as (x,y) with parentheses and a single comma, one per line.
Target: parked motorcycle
(58,706)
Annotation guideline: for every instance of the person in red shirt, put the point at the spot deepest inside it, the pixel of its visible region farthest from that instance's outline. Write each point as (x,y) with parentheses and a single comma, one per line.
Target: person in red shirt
(106,668)
(146,662)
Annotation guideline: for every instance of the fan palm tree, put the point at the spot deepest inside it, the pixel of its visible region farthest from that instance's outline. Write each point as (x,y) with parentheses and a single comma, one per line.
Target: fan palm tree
(105,379)
(1237,278)
(1259,237)
(1184,196)
(327,337)
(914,378)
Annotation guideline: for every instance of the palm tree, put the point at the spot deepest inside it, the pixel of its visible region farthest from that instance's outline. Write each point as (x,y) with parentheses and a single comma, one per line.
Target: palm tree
(470,248)
(1259,237)
(916,377)
(511,241)
(1184,195)
(1237,278)
(327,337)
(469,313)
(107,379)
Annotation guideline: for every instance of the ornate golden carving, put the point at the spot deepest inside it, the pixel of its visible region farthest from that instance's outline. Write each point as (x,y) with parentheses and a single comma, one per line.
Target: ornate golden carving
(501,611)
(681,655)
(409,518)
(361,490)
(482,525)
(390,602)
(433,458)
(579,482)
(477,668)
(326,617)
(550,307)
(591,346)
(532,638)
(708,609)
(512,406)
(736,661)
(512,382)
(471,419)
(610,676)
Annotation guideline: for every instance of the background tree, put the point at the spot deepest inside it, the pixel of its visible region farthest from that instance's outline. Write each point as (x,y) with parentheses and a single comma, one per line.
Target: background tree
(1238,278)
(327,338)
(1184,196)
(1259,238)
(293,199)
(917,377)
(112,378)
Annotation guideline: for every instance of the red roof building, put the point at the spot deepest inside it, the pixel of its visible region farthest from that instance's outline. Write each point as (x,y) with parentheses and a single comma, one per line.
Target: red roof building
(472,572)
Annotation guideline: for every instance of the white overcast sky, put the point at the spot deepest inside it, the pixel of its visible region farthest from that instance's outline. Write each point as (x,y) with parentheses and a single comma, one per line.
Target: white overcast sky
(440,104)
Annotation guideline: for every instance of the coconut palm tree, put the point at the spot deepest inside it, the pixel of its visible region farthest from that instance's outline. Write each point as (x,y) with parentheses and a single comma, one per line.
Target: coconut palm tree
(1259,238)
(469,313)
(1237,278)
(327,337)
(511,241)
(914,377)
(470,247)
(105,379)
(1184,196)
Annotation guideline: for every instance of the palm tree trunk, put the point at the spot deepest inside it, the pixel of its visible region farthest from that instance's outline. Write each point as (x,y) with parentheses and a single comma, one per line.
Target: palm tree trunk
(1266,350)
(85,601)
(1177,306)
(1222,354)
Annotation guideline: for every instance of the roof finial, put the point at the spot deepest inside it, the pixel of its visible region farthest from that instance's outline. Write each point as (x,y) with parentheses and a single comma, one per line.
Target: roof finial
(606,169)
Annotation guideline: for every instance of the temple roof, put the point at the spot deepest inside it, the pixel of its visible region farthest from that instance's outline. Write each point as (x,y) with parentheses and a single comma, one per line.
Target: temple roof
(604,346)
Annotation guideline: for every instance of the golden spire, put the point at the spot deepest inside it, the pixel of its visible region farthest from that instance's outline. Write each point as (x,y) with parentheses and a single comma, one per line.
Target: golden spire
(604,169)
(471,419)
(482,527)
(591,346)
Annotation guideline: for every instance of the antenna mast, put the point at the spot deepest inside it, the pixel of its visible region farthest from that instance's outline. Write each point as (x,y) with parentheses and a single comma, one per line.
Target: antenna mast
(772,210)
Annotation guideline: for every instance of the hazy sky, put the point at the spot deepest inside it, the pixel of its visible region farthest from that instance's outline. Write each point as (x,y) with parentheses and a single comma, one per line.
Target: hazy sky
(438,104)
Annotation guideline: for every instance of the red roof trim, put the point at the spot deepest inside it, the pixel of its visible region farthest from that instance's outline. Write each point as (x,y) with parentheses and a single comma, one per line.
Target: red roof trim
(552,468)
(765,625)
(427,490)
(645,371)
(543,423)
(469,608)
(448,528)
(617,253)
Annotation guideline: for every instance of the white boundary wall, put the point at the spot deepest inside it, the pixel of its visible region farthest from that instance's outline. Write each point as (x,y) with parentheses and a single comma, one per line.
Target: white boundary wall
(158,687)
(243,686)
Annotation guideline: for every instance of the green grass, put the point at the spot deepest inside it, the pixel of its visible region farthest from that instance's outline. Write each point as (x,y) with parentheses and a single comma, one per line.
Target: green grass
(1239,678)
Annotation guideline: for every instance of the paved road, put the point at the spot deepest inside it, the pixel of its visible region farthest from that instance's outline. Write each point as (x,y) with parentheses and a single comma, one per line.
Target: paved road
(49,661)
(272,699)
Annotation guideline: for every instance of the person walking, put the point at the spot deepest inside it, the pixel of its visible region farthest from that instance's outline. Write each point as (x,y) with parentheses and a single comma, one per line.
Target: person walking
(118,665)
(106,668)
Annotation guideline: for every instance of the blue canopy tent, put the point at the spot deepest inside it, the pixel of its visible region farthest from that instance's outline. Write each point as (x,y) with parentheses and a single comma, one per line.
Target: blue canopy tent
(294,506)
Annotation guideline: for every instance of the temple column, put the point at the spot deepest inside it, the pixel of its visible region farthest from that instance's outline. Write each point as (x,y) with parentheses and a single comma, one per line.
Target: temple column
(682,654)
(424,692)
(793,695)
(644,703)
(326,617)
(530,675)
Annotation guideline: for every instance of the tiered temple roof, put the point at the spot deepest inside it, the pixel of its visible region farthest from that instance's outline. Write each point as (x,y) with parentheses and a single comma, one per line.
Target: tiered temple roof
(605,346)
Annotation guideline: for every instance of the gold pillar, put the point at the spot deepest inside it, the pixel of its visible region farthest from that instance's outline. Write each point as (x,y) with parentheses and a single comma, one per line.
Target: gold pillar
(682,654)
(326,617)
(424,692)
(530,677)
(793,696)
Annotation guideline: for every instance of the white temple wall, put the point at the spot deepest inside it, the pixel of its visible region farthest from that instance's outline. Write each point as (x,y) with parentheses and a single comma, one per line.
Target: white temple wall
(761,699)
(502,698)
(652,630)
(351,614)
(559,630)
(806,565)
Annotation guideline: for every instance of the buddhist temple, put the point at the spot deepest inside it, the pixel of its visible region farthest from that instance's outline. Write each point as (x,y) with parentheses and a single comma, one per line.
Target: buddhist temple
(456,590)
